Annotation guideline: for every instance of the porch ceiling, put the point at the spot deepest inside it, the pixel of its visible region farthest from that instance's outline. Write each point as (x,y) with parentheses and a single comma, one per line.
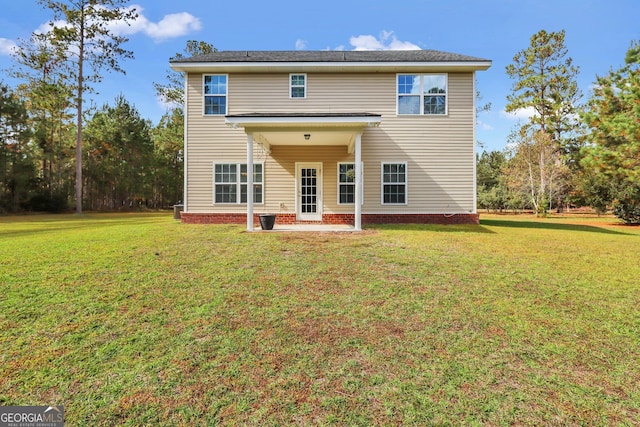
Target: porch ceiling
(316,136)
(308,129)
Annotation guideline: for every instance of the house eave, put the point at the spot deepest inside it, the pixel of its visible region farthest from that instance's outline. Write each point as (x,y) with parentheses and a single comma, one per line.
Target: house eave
(328,67)
(302,120)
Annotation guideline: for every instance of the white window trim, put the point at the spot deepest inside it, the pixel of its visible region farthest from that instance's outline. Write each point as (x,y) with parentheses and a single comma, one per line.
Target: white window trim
(406,183)
(238,183)
(204,96)
(421,95)
(291,86)
(354,183)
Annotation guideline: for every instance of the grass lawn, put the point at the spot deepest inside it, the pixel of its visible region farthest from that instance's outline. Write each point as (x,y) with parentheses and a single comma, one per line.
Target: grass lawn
(137,319)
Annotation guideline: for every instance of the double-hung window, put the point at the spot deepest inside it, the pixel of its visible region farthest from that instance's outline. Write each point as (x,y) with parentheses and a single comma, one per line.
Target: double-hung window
(422,94)
(346,183)
(215,94)
(394,183)
(230,183)
(297,85)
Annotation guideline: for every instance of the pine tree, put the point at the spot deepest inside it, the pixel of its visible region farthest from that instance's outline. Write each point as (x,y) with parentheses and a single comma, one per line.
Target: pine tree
(85,45)
(17,169)
(613,118)
(545,80)
(172,92)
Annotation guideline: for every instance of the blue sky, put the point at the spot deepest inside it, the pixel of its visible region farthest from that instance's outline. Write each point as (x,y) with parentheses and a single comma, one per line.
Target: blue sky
(598,33)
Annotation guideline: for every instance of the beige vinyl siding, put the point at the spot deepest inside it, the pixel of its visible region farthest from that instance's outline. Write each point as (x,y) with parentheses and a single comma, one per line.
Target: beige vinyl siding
(209,141)
(325,93)
(439,150)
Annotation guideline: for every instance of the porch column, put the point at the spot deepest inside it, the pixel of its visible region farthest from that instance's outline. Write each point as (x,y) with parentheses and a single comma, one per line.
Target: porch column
(249,182)
(357,168)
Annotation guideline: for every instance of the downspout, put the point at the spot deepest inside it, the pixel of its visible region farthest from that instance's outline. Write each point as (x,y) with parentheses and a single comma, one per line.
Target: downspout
(185,116)
(475,142)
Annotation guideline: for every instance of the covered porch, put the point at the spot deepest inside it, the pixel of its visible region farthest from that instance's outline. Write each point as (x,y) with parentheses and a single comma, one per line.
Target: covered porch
(289,130)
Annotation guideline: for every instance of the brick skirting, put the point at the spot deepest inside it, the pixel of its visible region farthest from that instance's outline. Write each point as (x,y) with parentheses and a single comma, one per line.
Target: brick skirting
(215,218)
(290,218)
(421,218)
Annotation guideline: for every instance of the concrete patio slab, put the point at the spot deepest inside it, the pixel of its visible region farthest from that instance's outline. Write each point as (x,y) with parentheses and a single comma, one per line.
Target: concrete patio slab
(308,227)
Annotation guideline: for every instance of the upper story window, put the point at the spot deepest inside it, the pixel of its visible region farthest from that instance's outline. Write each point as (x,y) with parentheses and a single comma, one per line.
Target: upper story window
(298,85)
(422,94)
(215,94)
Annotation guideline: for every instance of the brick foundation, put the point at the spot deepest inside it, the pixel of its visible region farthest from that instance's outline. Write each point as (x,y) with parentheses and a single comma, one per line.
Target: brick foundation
(421,218)
(290,218)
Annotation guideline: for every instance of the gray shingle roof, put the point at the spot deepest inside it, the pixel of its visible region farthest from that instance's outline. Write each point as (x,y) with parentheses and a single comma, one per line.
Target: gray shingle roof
(330,56)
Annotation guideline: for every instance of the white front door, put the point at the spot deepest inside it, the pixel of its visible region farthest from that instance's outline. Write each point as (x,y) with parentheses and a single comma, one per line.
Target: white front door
(309,191)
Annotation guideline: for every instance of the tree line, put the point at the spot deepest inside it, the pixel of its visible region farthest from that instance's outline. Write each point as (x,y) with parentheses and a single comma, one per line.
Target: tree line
(54,153)
(127,162)
(567,153)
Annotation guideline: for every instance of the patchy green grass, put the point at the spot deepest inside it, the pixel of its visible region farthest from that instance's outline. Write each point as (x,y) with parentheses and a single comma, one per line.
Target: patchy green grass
(140,320)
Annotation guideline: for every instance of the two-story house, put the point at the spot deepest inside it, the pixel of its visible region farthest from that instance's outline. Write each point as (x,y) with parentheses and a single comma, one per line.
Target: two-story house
(349,137)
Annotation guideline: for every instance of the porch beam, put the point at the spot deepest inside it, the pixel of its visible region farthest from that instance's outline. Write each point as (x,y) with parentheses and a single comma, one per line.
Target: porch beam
(249,182)
(358,193)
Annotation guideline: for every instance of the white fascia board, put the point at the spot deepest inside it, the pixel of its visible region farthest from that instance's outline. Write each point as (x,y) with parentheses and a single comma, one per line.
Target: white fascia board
(293,121)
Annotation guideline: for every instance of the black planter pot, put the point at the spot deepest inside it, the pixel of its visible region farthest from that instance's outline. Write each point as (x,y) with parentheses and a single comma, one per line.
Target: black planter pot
(267,221)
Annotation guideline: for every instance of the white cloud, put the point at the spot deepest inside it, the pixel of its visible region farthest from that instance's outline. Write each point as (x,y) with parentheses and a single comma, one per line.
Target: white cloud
(519,114)
(385,41)
(170,26)
(301,44)
(173,25)
(48,26)
(484,126)
(7,46)
(366,42)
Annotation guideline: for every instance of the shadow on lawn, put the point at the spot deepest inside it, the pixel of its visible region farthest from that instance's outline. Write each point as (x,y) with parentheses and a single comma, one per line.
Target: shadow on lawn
(550,226)
(450,228)
(53,223)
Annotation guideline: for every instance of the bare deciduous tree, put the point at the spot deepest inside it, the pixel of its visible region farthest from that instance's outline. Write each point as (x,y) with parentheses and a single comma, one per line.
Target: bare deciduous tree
(535,169)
